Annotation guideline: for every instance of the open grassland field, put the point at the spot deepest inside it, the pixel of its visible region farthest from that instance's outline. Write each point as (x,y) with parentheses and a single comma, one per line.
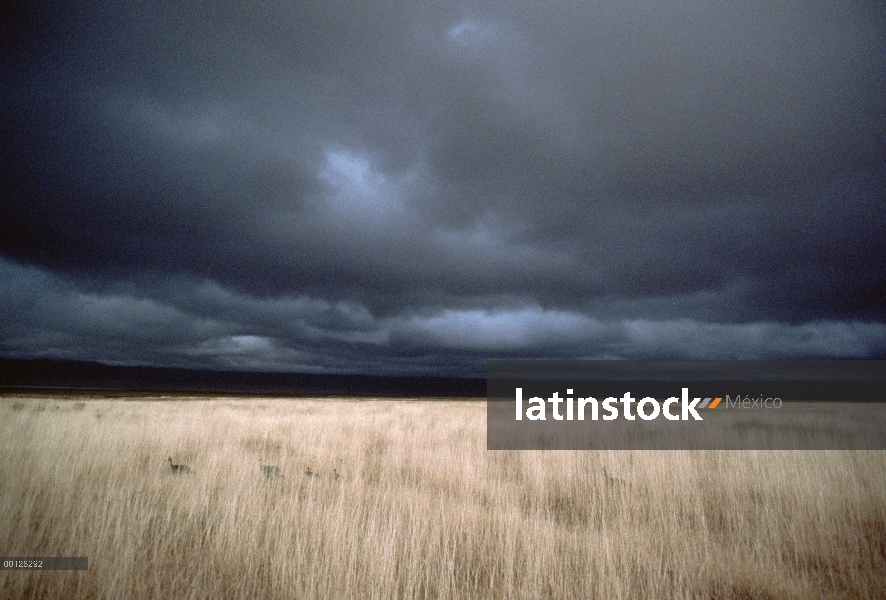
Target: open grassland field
(404,501)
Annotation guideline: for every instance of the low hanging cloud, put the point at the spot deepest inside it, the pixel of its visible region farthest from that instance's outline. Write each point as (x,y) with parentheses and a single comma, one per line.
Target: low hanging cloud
(419,186)
(206,326)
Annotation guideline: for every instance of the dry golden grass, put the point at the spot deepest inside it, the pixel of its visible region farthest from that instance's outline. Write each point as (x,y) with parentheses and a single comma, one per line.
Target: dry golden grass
(421,510)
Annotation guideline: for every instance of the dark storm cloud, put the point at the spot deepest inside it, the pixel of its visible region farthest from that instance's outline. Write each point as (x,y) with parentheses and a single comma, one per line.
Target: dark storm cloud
(201,324)
(418,186)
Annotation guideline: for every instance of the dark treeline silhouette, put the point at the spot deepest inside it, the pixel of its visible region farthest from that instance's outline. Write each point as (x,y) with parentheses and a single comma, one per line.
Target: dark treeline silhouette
(49,374)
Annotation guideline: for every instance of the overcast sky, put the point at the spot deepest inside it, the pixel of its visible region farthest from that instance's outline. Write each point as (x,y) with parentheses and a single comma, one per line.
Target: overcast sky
(415,187)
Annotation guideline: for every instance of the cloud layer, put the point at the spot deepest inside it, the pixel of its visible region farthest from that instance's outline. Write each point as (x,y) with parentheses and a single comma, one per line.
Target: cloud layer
(407,187)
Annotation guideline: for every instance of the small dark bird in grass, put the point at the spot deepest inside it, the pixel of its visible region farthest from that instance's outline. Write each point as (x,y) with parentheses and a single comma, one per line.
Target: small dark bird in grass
(180,469)
(269,470)
(613,481)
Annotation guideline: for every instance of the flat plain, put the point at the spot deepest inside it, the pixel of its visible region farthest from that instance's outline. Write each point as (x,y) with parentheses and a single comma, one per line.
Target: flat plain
(401,499)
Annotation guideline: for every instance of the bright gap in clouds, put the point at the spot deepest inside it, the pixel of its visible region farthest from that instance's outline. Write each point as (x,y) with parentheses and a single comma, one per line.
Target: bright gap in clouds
(561,334)
(465,29)
(360,192)
(506,330)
